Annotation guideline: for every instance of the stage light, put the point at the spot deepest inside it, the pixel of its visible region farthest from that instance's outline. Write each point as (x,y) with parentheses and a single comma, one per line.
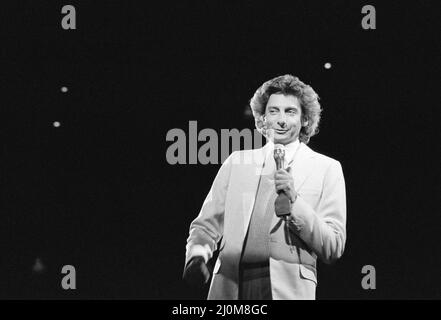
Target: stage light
(247,112)
(56,124)
(327,65)
(38,266)
(64,89)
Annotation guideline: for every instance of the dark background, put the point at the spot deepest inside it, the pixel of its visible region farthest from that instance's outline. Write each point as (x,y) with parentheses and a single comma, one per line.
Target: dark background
(98,193)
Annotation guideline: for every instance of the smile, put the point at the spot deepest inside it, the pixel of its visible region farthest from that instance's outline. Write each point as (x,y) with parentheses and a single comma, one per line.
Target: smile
(281,131)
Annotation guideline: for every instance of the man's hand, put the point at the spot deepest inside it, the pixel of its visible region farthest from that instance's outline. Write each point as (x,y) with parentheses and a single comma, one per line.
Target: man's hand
(284,181)
(196,272)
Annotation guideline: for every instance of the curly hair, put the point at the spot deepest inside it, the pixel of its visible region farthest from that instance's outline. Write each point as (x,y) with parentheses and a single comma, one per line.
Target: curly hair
(288,85)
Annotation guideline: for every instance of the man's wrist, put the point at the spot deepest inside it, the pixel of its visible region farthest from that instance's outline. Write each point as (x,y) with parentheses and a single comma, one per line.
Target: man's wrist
(200,250)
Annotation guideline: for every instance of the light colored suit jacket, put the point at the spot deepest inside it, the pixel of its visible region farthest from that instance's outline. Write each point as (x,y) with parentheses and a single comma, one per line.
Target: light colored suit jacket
(318,227)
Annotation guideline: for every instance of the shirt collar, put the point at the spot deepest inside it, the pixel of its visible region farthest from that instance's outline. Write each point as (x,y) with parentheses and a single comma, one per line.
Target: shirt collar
(290,149)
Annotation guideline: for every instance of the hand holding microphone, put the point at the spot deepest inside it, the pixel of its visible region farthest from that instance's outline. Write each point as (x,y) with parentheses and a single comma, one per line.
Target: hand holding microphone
(284,183)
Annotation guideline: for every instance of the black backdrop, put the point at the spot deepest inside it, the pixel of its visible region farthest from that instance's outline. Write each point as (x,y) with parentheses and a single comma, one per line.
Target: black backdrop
(98,193)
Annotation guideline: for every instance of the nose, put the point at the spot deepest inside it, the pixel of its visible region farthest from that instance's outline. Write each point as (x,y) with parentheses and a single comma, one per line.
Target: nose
(282,121)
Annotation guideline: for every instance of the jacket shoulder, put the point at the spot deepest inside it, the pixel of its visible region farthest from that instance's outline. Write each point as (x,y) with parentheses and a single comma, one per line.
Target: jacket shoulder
(325,159)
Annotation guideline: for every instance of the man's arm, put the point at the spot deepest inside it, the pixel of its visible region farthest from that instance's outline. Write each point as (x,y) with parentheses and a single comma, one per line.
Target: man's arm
(324,230)
(207,229)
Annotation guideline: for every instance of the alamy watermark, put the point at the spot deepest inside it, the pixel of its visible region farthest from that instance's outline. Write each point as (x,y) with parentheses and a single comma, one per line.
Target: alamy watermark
(69,281)
(68,22)
(369,281)
(369,20)
(208,146)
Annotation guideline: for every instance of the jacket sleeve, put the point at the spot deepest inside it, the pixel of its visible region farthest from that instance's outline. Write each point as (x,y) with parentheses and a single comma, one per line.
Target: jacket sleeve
(324,230)
(207,229)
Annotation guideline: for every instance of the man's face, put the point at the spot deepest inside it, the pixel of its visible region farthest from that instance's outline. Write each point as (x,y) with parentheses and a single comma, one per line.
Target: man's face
(283,115)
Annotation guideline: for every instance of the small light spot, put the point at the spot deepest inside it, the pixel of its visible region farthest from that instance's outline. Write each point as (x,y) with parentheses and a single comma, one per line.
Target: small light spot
(56,124)
(328,65)
(64,89)
(247,112)
(38,266)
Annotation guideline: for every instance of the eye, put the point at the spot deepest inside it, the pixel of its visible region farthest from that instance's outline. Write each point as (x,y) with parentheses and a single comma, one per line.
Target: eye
(272,111)
(292,112)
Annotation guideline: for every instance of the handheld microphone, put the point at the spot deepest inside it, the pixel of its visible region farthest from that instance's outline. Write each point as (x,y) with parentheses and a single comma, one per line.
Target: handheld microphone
(282,203)
(279,156)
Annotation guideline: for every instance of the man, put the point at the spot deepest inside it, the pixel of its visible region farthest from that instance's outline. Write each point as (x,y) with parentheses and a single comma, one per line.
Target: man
(262,255)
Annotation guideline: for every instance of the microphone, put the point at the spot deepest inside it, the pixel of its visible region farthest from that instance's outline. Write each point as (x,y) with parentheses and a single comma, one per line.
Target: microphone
(282,203)
(279,156)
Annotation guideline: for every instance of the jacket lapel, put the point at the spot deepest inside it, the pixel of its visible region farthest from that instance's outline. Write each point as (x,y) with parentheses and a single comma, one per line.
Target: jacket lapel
(302,165)
(251,184)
